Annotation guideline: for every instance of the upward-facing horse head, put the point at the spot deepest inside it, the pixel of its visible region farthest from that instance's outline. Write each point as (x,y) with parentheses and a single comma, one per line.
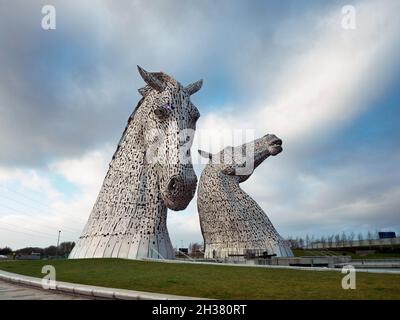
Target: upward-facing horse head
(232,223)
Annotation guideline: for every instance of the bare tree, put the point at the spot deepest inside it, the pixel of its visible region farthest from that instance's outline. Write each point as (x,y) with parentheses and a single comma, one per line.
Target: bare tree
(360,238)
(196,249)
(343,238)
(323,241)
(337,239)
(294,243)
(301,242)
(5,251)
(351,238)
(330,240)
(369,237)
(307,241)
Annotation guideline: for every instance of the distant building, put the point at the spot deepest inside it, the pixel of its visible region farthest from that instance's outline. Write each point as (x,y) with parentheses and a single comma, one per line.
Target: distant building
(32,256)
(182,252)
(387,235)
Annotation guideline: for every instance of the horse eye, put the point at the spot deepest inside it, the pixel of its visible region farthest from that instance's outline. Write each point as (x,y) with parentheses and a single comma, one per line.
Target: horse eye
(159,113)
(162,112)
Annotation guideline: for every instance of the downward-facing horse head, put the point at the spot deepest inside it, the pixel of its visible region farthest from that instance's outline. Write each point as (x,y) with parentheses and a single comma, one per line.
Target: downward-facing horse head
(150,171)
(232,223)
(167,121)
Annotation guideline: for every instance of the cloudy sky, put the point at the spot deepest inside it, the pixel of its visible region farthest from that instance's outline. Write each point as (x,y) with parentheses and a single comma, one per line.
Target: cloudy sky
(283,67)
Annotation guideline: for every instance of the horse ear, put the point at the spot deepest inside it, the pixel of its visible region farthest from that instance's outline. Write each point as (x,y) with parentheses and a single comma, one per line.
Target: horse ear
(145,91)
(151,79)
(205,154)
(194,87)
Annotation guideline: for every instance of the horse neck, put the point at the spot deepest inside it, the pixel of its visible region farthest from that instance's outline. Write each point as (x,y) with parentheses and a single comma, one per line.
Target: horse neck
(150,208)
(142,177)
(139,208)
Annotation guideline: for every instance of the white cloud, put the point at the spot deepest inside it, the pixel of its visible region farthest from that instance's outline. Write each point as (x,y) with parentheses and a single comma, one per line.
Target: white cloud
(28,178)
(326,85)
(86,172)
(39,219)
(317,91)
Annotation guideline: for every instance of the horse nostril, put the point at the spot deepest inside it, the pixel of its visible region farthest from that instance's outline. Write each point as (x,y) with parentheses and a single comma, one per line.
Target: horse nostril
(173,185)
(276,142)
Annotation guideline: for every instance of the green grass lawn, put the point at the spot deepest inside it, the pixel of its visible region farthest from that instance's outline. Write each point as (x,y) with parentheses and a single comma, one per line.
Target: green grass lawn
(213,281)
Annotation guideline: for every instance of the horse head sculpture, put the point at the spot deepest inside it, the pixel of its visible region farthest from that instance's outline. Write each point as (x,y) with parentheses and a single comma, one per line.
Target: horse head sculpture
(150,171)
(167,124)
(232,223)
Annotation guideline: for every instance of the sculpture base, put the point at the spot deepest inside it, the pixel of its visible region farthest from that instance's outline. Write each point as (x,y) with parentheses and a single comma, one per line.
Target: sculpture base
(122,247)
(216,252)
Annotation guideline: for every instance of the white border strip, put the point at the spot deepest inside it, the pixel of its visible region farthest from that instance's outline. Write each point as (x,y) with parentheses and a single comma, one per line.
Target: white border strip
(91,291)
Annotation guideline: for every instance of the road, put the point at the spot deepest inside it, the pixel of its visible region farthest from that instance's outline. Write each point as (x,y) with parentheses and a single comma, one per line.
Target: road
(10,291)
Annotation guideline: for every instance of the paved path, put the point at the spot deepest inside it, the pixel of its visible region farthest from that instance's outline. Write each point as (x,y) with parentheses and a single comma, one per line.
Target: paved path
(10,291)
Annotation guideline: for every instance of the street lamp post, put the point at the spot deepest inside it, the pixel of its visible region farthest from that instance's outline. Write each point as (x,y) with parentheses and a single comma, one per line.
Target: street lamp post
(58,243)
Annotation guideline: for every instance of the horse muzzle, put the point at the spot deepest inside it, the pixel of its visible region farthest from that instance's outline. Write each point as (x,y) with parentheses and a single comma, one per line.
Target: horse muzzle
(180,190)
